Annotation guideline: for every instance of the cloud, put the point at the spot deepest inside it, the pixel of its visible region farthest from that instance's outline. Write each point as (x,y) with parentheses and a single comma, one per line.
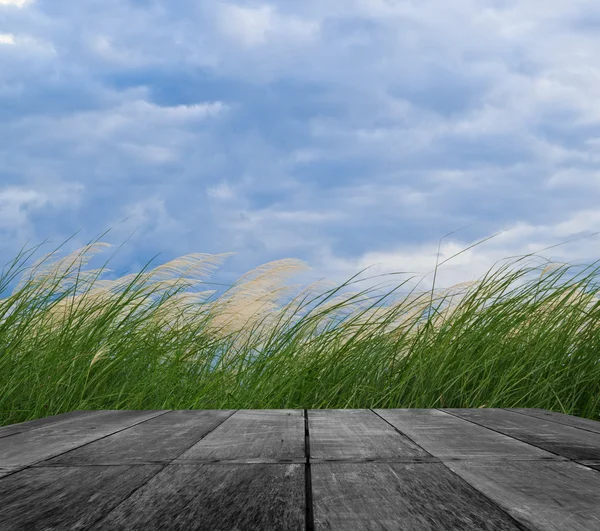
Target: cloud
(7,38)
(124,127)
(344,133)
(222,191)
(17,3)
(150,214)
(417,262)
(248,25)
(18,203)
(253,26)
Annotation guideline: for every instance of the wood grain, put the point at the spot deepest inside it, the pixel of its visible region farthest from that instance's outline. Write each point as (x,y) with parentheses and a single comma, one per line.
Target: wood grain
(357,434)
(158,440)
(29,447)
(448,437)
(560,418)
(215,497)
(566,441)
(543,495)
(429,469)
(12,429)
(423,496)
(5,471)
(66,497)
(253,436)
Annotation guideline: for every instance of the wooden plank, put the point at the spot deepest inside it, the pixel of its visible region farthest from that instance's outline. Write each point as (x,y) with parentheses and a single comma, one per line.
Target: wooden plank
(253,436)
(12,429)
(66,497)
(6,471)
(595,466)
(29,447)
(357,434)
(448,437)
(560,418)
(377,496)
(543,495)
(159,440)
(215,497)
(566,441)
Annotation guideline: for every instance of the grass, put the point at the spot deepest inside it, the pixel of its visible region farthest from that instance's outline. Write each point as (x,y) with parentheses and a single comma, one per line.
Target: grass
(70,339)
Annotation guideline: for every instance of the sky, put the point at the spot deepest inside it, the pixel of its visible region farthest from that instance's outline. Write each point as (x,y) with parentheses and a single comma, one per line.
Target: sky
(345,134)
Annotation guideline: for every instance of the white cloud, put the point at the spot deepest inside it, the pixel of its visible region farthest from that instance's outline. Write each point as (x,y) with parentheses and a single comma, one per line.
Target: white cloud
(151,216)
(144,130)
(18,3)
(152,154)
(248,25)
(141,110)
(253,26)
(107,50)
(520,239)
(222,191)
(571,177)
(7,38)
(16,202)
(296,218)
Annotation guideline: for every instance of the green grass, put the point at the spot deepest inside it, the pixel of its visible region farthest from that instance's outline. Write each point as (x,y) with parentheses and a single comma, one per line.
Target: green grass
(524,336)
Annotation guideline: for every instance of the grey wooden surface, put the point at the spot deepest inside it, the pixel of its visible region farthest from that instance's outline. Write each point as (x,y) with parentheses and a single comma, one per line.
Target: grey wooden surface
(381,469)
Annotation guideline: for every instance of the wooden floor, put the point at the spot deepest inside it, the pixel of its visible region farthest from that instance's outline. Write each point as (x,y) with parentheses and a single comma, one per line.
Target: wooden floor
(393,469)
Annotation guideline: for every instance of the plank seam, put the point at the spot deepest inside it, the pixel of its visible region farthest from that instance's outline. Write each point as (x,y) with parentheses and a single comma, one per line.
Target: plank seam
(550,419)
(518,524)
(55,423)
(511,436)
(564,457)
(103,516)
(309,517)
(30,465)
(200,462)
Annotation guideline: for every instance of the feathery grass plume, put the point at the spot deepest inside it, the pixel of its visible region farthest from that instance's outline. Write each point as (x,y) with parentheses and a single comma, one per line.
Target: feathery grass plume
(72,308)
(45,270)
(551,267)
(101,353)
(453,308)
(252,298)
(187,271)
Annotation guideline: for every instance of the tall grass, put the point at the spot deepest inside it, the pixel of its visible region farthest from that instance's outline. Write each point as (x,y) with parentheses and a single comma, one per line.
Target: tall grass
(71,339)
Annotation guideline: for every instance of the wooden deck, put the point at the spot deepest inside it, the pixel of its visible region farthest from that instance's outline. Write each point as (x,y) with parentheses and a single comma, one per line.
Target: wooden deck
(392,469)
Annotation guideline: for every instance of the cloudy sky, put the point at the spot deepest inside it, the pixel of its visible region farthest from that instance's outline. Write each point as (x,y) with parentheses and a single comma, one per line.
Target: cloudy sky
(344,133)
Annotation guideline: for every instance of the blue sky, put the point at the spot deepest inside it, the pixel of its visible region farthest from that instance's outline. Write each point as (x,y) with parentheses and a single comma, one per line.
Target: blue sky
(343,133)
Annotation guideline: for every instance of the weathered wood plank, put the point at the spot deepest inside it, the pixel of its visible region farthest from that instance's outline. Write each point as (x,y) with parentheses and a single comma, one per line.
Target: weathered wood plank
(66,497)
(448,437)
(6,471)
(215,497)
(29,447)
(253,436)
(158,440)
(12,429)
(357,434)
(377,496)
(543,495)
(560,418)
(566,441)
